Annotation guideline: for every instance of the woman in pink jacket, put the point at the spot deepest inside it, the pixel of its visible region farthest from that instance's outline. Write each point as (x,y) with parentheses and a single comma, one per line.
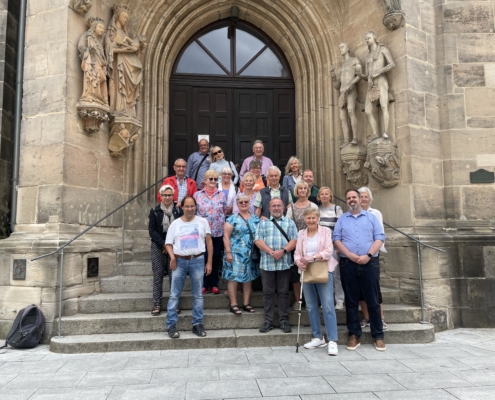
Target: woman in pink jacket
(315,244)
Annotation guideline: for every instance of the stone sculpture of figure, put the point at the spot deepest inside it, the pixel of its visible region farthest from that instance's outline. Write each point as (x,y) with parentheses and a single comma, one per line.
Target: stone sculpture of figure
(124,67)
(345,81)
(94,63)
(378,62)
(82,6)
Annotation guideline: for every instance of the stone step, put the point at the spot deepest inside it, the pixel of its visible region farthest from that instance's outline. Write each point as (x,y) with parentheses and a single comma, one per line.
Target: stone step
(134,322)
(396,334)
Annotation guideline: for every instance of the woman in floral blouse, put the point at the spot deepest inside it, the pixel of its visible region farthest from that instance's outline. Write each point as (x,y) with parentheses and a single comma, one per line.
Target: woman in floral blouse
(212,205)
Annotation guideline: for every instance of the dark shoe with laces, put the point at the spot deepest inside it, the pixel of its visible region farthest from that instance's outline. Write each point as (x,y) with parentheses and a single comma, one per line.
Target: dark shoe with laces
(266,327)
(173,333)
(285,327)
(199,330)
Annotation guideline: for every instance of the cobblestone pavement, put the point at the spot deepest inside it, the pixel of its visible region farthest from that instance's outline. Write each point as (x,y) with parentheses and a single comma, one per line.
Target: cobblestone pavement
(459,365)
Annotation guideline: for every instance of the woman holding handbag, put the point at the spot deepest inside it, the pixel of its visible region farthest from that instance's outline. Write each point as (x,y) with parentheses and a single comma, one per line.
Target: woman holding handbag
(315,244)
(239,267)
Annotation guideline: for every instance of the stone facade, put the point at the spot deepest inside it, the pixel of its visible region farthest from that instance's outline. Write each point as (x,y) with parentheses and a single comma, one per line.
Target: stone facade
(442,122)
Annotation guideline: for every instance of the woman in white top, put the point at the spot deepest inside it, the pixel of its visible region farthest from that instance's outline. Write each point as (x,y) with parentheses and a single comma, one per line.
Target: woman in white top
(329,214)
(293,174)
(228,188)
(365,199)
(218,163)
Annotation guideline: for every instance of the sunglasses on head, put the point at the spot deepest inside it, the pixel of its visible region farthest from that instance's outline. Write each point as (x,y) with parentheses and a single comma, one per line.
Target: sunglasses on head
(213,179)
(218,152)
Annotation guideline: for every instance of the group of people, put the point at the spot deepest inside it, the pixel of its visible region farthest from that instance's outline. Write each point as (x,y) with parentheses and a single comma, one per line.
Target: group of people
(249,225)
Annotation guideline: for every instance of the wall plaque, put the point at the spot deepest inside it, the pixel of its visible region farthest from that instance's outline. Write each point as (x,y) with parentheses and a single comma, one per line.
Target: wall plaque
(482,176)
(93,266)
(19,272)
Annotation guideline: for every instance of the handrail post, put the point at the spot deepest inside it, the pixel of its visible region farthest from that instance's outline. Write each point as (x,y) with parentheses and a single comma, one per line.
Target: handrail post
(123,241)
(420,271)
(61,285)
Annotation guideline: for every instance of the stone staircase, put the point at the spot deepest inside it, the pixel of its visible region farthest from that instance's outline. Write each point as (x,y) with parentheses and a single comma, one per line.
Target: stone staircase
(118,319)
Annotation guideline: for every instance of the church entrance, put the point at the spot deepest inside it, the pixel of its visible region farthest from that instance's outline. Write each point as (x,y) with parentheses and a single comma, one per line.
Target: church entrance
(232,85)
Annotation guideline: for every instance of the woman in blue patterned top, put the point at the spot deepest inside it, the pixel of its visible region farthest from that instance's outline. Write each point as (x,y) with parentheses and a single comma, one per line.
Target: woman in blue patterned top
(238,235)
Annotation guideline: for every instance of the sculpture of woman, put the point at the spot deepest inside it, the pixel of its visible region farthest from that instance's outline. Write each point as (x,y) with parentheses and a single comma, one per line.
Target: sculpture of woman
(94,63)
(125,70)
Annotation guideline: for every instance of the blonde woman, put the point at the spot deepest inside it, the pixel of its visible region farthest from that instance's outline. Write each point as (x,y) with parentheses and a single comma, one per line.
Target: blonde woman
(228,188)
(293,174)
(248,182)
(218,163)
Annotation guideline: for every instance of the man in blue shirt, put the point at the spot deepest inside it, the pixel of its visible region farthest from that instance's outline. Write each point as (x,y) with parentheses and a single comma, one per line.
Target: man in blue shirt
(198,163)
(358,236)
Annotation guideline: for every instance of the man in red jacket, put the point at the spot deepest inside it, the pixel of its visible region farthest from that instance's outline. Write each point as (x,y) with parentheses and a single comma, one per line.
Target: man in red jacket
(183,186)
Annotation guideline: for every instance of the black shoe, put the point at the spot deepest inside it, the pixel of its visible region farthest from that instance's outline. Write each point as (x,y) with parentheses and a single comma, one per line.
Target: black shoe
(285,327)
(199,330)
(266,327)
(173,333)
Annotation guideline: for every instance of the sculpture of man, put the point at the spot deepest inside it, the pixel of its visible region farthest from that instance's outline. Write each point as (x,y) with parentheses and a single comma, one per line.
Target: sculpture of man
(378,62)
(94,63)
(124,67)
(345,81)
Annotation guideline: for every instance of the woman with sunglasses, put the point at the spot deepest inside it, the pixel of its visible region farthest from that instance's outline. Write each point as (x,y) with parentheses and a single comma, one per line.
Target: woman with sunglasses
(218,163)
(228,188)
(212,205)
(238,267)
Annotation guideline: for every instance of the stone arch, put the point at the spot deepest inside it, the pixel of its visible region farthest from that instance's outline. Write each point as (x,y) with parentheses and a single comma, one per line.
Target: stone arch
(306,33)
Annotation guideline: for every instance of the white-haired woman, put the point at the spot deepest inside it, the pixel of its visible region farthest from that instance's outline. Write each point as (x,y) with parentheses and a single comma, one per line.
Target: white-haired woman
(160,218)
(365,199)
(248,182)
(218,163)
(293,174)
(228,188)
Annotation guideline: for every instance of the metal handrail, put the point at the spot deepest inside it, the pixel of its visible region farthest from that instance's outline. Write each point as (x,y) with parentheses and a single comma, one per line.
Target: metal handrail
(419,243)
(61,249)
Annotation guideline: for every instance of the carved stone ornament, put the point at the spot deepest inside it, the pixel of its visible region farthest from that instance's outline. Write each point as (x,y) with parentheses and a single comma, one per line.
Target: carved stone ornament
(124,131)
(352,159)
(394,18)
(383,162)
(93,105)
(82,6)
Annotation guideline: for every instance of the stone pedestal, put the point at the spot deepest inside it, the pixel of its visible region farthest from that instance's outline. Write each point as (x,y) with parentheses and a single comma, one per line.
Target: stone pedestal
(124,131)
(353,158)
(383,162)
(93,115)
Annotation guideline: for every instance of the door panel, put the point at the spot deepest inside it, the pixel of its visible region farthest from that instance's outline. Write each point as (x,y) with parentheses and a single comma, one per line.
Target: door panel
(284,131)
(180,128)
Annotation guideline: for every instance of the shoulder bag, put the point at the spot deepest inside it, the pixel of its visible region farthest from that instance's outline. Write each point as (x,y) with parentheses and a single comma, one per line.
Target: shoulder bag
(316,272)
(286,238)
(255,251)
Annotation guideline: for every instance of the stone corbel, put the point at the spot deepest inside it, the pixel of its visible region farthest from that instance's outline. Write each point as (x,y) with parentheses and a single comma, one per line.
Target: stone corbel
(92,115)
(383,162)
(352,159)
(395,17)
(124,131)
(82,6)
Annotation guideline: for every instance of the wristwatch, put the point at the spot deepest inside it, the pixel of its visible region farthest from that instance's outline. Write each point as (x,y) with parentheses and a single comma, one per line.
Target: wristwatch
(314,258)
(285,251)
(369,255)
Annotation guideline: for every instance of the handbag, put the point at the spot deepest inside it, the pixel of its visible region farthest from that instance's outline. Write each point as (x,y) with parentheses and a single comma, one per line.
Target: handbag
(255,251)
(316,272)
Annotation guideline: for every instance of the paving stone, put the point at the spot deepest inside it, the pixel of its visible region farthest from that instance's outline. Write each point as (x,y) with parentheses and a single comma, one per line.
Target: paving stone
(339,396)
(362,383)
(158,362)
(94,365)
(477,377)
(432,380)
(15,356)
(116,378)
(315,369)
(94,393)
(45,381)
(291,386)
(446,351)
(472,393)
(19,394)
(478,350)
(124,354)
(430,394)
(374,366)
(394,352)
(31,367)
(344,354)
(232,372)
(172,391)
(277,357)
(222,389)
(478,362)
(434,364)
(191,374)
(215,360)
(6,378)
(59,356)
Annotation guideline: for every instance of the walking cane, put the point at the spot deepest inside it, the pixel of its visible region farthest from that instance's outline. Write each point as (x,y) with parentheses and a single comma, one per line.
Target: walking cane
(300,305)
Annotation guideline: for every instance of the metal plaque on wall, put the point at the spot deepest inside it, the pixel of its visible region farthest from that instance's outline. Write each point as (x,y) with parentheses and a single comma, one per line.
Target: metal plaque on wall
(19,272)
(93,265)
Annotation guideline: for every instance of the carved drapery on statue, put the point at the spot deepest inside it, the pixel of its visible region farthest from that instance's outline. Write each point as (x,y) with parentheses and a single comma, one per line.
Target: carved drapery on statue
(93,105)
(394,18)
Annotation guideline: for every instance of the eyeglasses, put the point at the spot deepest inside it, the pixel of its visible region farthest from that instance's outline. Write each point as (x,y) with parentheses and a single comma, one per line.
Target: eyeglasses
(218,152)
(180,166)
(213,179)
(167,195)
(243,202)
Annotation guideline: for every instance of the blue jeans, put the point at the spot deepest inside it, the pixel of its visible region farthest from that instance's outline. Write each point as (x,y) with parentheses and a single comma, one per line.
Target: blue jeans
(356,277)
(195,268)
(325,291)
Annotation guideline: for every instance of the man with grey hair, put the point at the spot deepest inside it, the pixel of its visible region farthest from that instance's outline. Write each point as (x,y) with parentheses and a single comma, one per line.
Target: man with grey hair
(182,185)
(199,162)
(273,190)
(258,149)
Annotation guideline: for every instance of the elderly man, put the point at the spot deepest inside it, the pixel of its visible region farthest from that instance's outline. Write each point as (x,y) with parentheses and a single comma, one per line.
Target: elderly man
(258,149)
(358,236)
(276,238)
(309,178)
(182,185)
(273,190)
(187,240)
(199,162)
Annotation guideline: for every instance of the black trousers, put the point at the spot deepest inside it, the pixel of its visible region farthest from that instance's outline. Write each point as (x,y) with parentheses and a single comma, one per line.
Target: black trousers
(160,264)
(276,282)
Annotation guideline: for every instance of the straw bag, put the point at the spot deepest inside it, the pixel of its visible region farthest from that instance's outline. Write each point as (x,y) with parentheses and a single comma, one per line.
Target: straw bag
(316,272)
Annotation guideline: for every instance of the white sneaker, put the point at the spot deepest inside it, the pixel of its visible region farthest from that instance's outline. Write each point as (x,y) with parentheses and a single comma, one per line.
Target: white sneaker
(333,350)
(339,305)
(314,343)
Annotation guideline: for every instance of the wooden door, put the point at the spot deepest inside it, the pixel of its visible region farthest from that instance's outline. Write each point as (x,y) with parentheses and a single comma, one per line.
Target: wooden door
(284,127)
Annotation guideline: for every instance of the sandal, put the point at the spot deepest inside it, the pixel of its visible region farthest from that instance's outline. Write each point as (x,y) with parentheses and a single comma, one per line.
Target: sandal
(234,309)
(156,311)
(248,308)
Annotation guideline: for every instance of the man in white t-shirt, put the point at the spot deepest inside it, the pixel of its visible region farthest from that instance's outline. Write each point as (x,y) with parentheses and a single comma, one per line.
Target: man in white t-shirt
(188,237)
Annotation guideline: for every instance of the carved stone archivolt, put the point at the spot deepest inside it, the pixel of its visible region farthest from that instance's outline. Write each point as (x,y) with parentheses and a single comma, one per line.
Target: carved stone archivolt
(114,56)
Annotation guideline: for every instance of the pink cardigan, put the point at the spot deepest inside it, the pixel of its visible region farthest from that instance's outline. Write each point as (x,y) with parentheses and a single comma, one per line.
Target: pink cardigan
(325,246)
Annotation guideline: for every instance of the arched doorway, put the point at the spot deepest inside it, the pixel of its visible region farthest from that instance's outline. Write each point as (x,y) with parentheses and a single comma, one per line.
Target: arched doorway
(232,84)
